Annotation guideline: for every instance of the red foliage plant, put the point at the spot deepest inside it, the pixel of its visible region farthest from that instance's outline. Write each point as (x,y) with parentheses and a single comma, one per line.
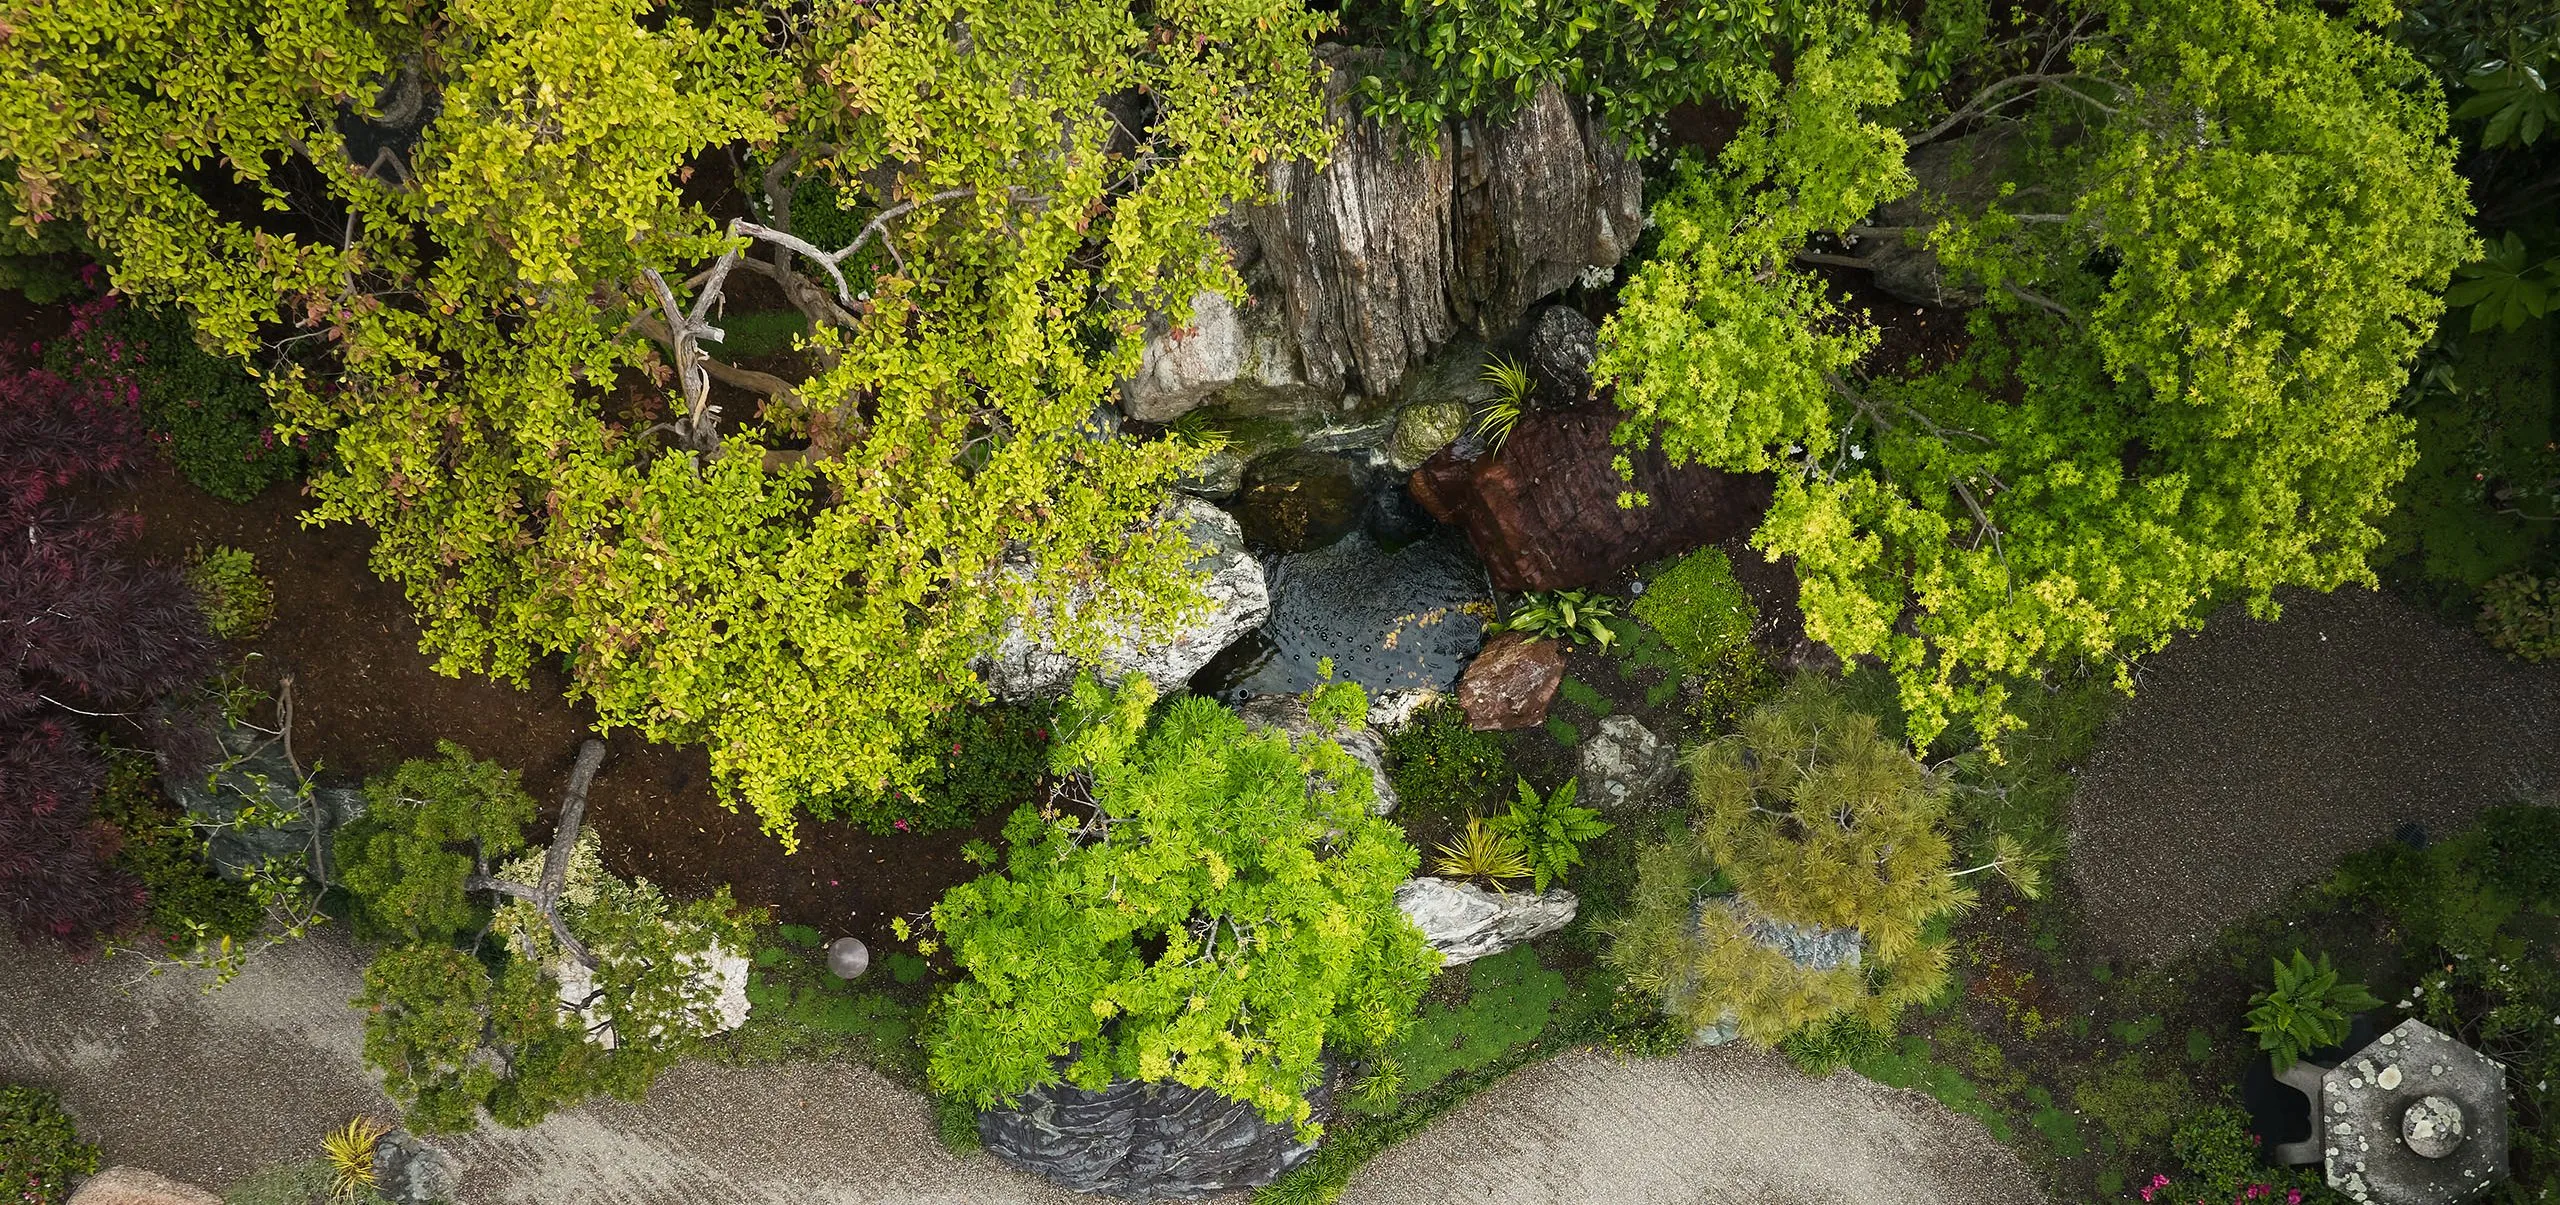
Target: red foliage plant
(83,632)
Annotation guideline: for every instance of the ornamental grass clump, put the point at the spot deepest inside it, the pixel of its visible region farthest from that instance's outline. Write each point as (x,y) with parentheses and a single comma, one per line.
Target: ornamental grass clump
(1808,818)
(1197,902)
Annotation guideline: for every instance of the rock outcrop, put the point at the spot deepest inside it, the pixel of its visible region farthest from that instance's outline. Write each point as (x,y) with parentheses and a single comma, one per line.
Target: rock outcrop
(252,772)
(1239,600)
(1542,511)
(1368,266)
(1158,1141)
(1563,345)
(1466,922)
(1625,767)
(409,1170)
(122,1185)
(1510,684)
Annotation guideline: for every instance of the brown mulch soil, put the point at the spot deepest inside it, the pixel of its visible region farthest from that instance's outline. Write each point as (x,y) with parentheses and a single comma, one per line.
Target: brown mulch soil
(2255,755)
(365,698)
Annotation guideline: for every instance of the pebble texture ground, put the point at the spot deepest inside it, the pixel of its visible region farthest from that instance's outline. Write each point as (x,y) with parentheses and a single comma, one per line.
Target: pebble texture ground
(211,1089)
(1728,1126)
(2254,755)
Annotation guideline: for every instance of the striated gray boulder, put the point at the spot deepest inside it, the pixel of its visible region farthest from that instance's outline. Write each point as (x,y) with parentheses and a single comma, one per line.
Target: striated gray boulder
(1148,1142)
(1288,713)
(1239,600)
(1466,922)
(1366,267)
(1625,766)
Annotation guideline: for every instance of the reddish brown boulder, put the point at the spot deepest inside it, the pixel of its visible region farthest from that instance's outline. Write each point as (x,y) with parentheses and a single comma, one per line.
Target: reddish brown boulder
(1543,511)
(1511,682)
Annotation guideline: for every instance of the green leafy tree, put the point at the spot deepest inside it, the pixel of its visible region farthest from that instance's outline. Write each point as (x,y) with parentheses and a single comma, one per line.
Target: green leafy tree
(593,984)
(503,324)
(1806,816)
(1550,830)
(1636,58)
(2216,241)
(1200,903)
(2306,1009)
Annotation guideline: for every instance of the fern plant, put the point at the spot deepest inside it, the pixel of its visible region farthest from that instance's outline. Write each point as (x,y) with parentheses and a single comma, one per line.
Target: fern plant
(1550,831)
(2307,1009)
(1560,615)
(1483,852)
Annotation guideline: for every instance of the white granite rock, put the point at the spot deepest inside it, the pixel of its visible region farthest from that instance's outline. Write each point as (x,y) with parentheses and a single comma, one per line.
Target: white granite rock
(1466,922)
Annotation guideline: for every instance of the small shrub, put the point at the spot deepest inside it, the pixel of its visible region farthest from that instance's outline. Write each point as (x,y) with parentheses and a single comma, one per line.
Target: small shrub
(2520,614)
(2308,1008)
(1823,1048)
(1737,682)
(349,1150)
(1550,831)
(1814,819)
(1699,609)
(955,1122)
(2220,1158)
(987,758)
(1482,852)
(236,600)
(189,900)
(1502,411)
(1561,615)
(40,1154)
(2524,851)
(214,421)
(1439,765)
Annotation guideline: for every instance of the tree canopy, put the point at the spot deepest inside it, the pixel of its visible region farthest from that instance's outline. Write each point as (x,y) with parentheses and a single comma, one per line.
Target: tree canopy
(1200,903)
(463,245)
(2216,237)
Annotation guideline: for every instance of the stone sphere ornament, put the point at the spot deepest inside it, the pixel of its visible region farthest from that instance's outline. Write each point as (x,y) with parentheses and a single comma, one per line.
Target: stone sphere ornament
(2432,1126)
(848,958)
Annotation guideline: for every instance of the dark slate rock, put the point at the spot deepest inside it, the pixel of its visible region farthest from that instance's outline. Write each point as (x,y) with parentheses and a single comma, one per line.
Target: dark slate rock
(253,771)
(1562,346)
(1143,1141)
(409,1170)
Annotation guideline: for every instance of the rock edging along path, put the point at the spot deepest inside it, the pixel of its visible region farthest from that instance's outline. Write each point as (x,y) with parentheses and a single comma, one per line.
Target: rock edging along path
(2255,755)
(213,1088)
(1727,1126)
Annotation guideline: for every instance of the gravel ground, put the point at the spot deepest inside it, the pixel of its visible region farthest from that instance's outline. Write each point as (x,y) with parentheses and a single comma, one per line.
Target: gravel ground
(213,1088)
(2257,754)
(210,1089)
(1711,1127)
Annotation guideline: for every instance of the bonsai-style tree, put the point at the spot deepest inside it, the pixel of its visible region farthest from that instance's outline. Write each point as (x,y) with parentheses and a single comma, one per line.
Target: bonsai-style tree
(1198,903)
(1808,818)
(594,984)
(455,238)
(2213,241)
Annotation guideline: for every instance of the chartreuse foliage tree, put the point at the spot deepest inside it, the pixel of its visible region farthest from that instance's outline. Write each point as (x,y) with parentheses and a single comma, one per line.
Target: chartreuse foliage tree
(2217,237)
(503,323)
(1199,903)
(1806,816)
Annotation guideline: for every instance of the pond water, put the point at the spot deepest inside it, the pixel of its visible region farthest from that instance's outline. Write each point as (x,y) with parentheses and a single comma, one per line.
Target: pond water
(1397,618)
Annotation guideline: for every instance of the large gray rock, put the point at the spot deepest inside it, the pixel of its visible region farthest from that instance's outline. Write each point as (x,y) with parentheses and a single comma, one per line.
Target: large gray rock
(410,1170)
(252,772)
(1466,922)
(1288,713)
(1383,255)
(1244,356)
(1148,1142)
(1239,600)
(122,1185)
(1625,767)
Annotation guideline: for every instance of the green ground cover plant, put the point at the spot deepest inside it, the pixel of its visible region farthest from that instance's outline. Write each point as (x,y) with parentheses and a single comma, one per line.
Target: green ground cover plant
(1698,609)
(1440,766)
(1550,830)
(237,601)
(40,1154)
(212,420)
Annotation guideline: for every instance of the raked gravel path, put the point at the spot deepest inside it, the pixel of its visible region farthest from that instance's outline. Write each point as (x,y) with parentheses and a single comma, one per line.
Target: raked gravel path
(213,1088)
(1711,1127)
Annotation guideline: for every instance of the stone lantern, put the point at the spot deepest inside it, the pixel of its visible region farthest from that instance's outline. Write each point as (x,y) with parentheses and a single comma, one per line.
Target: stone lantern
(2416,1118)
